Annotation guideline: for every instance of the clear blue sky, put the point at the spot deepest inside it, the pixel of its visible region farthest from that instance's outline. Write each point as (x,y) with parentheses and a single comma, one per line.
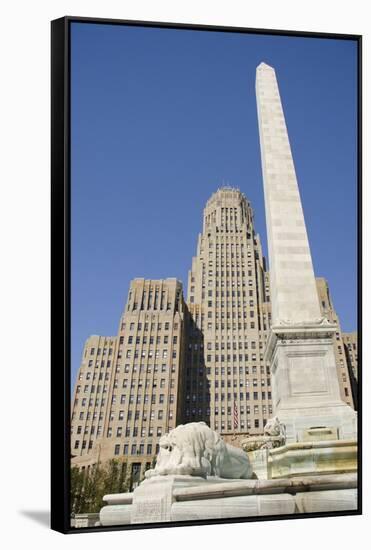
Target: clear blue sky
(160,117)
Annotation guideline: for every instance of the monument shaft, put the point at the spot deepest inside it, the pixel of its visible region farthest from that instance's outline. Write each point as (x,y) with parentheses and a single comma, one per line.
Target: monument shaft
(292,282)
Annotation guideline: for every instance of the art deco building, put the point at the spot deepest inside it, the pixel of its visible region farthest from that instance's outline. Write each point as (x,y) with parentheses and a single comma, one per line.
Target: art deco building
(93,390)
(173,362)
(340,356)
(129,404)
(350,340)
(227,383)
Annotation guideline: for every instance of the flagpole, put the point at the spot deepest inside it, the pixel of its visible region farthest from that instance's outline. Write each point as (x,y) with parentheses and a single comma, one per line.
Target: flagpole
(235,420)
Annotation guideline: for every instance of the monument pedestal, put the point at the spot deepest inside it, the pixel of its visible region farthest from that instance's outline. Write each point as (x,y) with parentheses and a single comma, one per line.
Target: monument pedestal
(181,498)
(259,462)
(153,499)
(305,385)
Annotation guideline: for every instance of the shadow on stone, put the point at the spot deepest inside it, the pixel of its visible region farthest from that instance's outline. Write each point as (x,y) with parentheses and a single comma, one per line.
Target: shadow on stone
(39,516)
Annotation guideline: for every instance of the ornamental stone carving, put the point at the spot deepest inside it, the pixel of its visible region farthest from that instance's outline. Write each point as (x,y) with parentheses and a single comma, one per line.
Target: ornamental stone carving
(274,427)
(274,436)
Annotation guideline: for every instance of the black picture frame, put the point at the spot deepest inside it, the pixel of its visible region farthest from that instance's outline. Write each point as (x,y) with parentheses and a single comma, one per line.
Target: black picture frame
(61,266)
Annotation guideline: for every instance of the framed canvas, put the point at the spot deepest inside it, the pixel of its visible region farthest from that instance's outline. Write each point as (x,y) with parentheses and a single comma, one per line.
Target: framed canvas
(206,279)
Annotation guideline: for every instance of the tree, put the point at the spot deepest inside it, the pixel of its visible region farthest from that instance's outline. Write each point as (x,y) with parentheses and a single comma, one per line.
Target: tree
(88,487)
(76,492)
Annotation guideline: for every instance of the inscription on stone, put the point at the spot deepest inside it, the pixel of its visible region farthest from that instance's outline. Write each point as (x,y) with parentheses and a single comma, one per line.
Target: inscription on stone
(150,511)
(152,502)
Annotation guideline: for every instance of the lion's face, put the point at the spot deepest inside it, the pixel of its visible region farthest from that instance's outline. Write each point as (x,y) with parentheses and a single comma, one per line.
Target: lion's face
(272,427)
(165,450)
(166,443)
(170,453)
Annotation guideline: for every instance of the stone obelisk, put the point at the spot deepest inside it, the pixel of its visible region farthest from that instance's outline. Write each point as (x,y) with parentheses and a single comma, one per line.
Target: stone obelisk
(305,386)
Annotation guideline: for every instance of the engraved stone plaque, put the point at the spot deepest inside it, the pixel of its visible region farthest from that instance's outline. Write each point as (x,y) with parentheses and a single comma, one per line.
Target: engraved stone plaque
(307,375)
(152,501)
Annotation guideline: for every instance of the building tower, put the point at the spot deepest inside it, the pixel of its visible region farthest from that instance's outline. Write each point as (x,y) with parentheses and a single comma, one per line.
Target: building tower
(226,381)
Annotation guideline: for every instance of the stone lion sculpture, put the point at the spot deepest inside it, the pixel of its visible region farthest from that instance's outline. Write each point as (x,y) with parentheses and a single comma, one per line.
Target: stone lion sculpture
(195,449)
(274,436)
(274,427)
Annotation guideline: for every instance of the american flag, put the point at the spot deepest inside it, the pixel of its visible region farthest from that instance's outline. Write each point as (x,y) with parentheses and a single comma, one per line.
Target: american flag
(235,416)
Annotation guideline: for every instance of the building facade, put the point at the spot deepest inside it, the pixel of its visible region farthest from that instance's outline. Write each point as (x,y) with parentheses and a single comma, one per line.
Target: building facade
(342,363)
(350,340)
(139,401)
(92,393)
(175,362)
